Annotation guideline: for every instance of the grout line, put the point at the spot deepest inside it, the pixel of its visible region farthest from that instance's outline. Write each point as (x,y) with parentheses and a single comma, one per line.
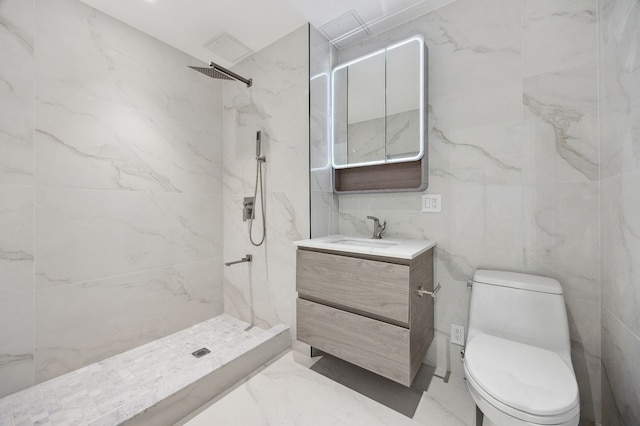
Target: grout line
(599,136)
(92,280)
(33,171)
(622,324)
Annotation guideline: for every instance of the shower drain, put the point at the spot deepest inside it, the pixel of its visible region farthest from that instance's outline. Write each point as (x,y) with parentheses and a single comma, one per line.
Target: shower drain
(200,352)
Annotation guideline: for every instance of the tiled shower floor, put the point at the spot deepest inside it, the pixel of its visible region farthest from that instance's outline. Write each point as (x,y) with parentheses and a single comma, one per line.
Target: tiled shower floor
(114,390)
(289,393)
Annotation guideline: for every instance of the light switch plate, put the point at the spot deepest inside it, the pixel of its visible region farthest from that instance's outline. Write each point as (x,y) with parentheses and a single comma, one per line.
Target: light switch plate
(431,203)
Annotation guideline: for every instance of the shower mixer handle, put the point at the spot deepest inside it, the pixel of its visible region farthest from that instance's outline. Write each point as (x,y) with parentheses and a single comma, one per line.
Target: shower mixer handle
(248,211)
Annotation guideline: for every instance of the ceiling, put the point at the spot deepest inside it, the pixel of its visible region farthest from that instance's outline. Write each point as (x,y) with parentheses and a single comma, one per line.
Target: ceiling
(189,25)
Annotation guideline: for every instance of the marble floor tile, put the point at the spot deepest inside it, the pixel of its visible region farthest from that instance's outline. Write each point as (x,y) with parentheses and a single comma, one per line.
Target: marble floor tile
(289,393)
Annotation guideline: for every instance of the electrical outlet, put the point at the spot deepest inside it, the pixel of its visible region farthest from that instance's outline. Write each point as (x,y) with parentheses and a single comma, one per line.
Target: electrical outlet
(457,334)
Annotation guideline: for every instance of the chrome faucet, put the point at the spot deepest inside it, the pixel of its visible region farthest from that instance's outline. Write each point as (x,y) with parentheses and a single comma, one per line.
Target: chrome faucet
(377,228)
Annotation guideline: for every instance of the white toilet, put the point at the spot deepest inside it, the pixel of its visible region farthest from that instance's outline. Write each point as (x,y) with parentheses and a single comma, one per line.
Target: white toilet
(517,358)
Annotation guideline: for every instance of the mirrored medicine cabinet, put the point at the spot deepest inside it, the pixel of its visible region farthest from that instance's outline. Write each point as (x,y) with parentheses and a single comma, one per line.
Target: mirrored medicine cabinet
(379,117)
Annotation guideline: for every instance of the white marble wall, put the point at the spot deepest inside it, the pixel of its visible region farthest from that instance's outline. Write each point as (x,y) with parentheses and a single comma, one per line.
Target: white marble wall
(513,149)
(16,194)
(324,203)
(263,291)
(620,209)
(110,190)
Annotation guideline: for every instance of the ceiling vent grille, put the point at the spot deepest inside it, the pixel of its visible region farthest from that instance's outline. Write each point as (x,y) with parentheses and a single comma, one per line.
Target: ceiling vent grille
(348,26)
(227,47)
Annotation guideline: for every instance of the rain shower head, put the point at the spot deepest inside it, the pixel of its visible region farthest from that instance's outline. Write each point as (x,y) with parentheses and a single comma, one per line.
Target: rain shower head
(216,71)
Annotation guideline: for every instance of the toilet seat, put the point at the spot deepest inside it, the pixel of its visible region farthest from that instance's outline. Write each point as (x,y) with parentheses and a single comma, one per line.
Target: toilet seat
(525,382)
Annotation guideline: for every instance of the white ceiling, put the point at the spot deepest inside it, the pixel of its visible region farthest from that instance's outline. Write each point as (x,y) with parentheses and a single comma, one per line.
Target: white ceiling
(189,24)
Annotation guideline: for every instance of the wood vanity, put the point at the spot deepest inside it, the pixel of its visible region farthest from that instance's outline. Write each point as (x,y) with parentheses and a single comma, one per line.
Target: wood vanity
(363,304)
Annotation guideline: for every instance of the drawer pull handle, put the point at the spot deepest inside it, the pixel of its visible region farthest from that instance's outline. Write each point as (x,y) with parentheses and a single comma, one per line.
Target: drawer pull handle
(422,291)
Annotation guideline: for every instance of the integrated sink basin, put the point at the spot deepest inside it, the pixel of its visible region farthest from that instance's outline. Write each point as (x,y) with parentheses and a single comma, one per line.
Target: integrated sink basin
(386,247)
(360,242)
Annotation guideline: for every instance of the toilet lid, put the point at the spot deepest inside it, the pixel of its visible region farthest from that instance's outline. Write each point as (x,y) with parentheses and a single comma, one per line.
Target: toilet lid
(524,377)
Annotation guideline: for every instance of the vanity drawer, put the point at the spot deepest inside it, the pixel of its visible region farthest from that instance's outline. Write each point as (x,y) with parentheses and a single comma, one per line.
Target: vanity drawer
(375,345)
(380,289)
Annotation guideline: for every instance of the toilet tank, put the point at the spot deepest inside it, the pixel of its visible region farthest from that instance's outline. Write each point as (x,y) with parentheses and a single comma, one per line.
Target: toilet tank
(525,308)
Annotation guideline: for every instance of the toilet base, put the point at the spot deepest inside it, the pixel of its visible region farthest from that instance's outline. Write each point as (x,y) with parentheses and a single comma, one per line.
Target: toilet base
(479,417)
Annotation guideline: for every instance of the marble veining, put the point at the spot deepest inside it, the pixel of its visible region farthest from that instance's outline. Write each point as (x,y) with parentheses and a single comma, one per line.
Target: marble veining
(514,151)
(110,190)
(118,388)
(17,38)
(561,120)
(16,131)
(280,395)
(568,26)
(441,136)
(619,78)
(16,239)
(277,105)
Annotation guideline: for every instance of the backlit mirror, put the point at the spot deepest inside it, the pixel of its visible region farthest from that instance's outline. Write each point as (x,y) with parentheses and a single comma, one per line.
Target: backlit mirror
(378,103)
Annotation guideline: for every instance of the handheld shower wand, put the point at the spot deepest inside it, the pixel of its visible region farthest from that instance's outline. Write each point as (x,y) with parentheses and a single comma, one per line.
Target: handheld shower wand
(259,146)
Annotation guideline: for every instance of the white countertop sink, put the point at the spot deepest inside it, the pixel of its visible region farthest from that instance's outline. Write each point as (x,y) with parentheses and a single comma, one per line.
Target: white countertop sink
(398,248)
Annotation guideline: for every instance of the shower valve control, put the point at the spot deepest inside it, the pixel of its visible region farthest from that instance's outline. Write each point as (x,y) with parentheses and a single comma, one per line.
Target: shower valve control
(247,208)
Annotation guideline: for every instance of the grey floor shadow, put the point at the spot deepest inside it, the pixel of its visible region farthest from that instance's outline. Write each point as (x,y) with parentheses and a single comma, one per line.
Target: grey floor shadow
(387,392)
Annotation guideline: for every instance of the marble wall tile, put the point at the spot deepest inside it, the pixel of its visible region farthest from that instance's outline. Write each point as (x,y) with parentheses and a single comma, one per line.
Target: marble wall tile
(619,86)
(129,149)
(85,52)
(16,130)
(474,61)
(490,154)
(323,202)
(487,104)
(620,349)
(562,241)
(263,292)
(472,43)
(98,316)
(610,414)
(16,39)
(84,235)
(16,92)
(620,248)
(619,46)
(196,159)
(558,34)
(561,121)
(16,239)
(16,349)
(128,175)
(513,108)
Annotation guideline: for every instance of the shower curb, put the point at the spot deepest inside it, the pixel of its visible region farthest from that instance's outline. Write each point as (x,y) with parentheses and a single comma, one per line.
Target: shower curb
(158,383)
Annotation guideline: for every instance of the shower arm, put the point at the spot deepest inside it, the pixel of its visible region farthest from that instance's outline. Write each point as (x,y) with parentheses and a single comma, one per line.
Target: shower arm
(231,74)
